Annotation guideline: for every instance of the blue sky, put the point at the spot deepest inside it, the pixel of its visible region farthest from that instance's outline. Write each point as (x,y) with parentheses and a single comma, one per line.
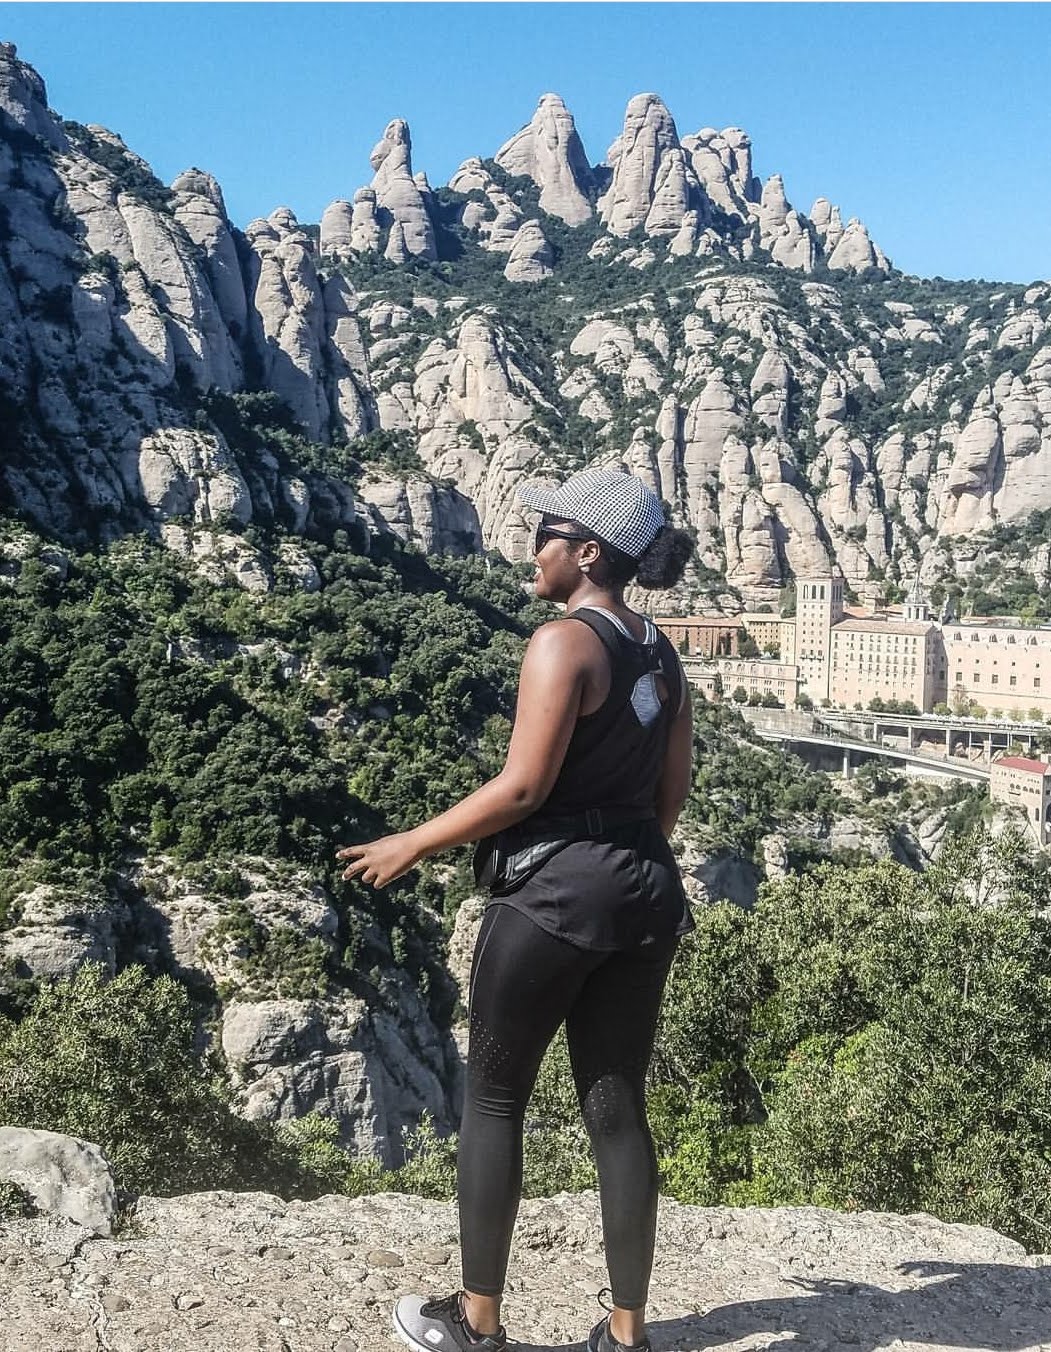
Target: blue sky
(931,122)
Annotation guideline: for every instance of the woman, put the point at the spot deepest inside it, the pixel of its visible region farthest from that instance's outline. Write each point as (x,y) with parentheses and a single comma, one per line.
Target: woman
(599,763)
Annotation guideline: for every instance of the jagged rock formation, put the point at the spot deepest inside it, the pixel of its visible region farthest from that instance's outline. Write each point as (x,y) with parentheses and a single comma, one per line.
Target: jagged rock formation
(62,1175)
(222,1270)
(549,151)
(791,422)
(636,157)
(401,195)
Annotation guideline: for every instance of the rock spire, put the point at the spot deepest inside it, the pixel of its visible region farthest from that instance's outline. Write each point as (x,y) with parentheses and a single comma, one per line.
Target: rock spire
(549,151)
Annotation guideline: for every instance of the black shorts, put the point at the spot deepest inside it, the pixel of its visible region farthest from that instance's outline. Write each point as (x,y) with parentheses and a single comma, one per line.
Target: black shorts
(611,892)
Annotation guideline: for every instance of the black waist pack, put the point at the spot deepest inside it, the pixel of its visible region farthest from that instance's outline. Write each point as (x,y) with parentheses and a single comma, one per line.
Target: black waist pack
(504,861)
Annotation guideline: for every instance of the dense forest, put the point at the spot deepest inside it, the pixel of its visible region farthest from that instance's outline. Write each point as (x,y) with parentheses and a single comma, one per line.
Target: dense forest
(868,1035)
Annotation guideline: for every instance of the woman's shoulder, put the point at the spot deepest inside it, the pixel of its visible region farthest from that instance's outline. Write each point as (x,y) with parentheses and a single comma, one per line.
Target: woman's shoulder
(563,638)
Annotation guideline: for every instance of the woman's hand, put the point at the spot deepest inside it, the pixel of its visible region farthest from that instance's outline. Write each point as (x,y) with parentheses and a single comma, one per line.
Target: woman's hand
(381,861)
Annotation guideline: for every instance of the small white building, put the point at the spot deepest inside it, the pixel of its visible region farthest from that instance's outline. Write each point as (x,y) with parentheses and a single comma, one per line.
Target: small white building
(1024,783)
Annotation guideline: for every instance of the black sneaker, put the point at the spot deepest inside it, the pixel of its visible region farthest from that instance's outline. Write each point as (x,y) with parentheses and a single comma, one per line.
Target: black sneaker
(601,1340)
(441,1326)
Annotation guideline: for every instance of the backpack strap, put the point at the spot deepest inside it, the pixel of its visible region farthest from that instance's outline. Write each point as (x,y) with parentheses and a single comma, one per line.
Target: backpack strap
(671,668)
(628,661)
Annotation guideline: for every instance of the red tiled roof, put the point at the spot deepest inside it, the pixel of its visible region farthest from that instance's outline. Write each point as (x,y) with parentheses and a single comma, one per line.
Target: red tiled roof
(1034,767)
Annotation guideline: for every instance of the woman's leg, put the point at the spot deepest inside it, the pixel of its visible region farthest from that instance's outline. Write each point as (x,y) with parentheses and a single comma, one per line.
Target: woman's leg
(610,1029)
(523,981)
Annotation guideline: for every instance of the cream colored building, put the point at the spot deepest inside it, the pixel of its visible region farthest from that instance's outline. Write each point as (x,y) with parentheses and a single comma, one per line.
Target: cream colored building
(998,665)
(771,631)
(1026,784)
(851,657)
(819,606)
(719,677)
(888,659)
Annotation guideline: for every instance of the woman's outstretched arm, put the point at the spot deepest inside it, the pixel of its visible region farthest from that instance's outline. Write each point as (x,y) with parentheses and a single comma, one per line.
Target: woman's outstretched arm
(550,688)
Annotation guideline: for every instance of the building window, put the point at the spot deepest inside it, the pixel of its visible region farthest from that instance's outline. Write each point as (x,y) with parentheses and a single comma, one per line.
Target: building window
(1036,682)
(996,680)
(1013,681)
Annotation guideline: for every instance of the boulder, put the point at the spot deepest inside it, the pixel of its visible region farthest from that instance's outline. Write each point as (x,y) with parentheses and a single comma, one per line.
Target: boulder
(855,252)
(437,518)
(364,226)
(531,258)
(337,230)
(828,223)
(374,1070)
(58,929)
(185,473)
(63,1175)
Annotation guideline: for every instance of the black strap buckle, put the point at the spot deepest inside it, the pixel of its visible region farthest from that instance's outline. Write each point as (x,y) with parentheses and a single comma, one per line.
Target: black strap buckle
(593,817)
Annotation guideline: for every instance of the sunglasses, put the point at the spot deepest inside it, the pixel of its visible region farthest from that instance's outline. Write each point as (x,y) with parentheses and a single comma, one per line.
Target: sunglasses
(545,533)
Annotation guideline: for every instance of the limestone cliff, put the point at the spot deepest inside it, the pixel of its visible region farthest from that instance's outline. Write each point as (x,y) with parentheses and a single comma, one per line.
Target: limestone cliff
(794,402)
(373,1062)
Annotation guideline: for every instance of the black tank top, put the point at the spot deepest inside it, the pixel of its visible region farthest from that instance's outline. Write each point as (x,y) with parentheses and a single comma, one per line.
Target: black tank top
(621,887)
(615,755)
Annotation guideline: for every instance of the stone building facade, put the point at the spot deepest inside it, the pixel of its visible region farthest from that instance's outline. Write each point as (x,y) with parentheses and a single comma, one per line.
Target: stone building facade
(850,658)
(1026,784)
(718,678)
(998,665)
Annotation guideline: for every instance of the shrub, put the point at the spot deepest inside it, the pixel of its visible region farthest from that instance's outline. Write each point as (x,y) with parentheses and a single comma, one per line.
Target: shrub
(114,1062)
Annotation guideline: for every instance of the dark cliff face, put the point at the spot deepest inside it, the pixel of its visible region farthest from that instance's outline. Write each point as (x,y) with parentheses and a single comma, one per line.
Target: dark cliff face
(792,398)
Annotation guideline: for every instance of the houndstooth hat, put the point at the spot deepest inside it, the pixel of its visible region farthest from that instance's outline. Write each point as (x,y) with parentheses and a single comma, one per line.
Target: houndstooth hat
(619,508)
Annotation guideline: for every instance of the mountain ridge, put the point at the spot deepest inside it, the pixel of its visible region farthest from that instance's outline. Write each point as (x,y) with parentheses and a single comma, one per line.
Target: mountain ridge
(668,313)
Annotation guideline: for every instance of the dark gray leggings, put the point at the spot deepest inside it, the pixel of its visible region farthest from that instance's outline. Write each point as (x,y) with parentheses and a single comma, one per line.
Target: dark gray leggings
(524,983)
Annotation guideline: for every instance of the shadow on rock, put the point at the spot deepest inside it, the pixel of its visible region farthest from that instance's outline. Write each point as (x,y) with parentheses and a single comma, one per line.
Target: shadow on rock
(990,1307)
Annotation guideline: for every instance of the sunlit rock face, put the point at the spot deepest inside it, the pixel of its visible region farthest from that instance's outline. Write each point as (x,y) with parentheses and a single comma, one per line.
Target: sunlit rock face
(666,311)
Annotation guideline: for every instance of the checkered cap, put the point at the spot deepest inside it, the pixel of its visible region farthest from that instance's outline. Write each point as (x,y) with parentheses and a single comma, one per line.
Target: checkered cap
(619,508)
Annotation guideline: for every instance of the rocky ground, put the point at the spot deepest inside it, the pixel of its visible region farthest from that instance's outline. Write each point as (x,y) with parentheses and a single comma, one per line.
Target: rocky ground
(220,1271)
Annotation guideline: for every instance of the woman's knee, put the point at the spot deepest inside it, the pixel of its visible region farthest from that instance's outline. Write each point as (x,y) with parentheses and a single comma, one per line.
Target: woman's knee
(613,1108)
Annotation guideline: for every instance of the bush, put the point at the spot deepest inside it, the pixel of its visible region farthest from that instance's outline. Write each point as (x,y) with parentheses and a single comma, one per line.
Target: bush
(15,1203)
(114,1062)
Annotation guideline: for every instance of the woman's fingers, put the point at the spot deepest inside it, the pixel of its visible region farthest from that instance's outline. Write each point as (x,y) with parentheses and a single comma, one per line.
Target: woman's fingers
(379,862)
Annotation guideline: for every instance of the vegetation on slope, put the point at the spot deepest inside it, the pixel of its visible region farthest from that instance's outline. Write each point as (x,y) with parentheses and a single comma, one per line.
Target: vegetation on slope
(147,711)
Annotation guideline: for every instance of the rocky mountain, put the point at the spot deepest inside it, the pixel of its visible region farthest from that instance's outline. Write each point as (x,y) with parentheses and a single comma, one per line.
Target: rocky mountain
(794,399)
